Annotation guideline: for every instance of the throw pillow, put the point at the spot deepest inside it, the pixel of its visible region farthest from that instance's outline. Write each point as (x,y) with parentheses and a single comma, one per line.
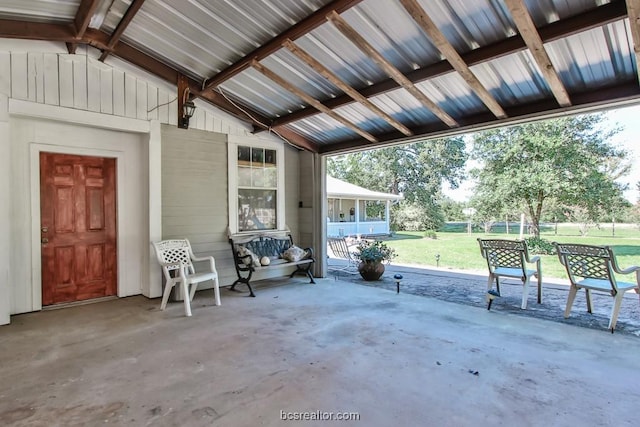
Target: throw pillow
(253,260)
(294,254)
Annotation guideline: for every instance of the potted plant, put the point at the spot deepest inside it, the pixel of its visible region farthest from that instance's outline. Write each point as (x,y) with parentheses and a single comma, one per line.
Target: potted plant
(373,256)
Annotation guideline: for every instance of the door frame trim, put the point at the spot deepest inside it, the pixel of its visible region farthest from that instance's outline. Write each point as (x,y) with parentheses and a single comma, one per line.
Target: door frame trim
(36,253)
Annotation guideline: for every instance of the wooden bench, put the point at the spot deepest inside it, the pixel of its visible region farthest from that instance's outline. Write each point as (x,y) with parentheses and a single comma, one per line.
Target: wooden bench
(271,245)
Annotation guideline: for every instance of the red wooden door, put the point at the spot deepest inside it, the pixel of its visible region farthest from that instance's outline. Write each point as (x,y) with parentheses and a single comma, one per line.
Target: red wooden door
(78,229)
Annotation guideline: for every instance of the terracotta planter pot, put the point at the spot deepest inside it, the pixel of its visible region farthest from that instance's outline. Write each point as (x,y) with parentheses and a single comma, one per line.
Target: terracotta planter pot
(371,271)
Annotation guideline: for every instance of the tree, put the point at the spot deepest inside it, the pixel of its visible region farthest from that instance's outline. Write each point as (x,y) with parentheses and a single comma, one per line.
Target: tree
(416,171)
(561,162)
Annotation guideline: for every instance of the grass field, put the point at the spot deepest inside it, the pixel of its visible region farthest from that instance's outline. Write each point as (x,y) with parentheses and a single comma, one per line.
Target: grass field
(460,250)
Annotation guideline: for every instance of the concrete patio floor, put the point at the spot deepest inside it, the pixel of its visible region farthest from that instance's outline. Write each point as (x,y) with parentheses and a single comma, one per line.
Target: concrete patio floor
(395,359)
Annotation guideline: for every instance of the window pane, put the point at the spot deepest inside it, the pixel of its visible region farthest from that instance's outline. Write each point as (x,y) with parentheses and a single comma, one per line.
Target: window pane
(256,210)
(271,177)
(244,156)
(270,158)
(244,177)
(257,157)
(257,176)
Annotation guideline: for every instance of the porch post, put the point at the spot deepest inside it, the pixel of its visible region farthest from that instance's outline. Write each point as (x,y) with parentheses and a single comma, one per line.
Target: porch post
(358,231)
(320,214)
(387,217)
(5,220)
(153,288)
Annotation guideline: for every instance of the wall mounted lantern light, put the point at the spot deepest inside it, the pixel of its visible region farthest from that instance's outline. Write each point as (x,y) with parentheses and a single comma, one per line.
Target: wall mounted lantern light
(186,107)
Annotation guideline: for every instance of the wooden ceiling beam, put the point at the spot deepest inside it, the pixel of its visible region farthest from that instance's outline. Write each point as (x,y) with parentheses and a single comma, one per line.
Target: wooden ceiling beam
(350,33)
(340,84)
(633,9)
(531,37)
(588,100)
(310,100)
(449,52)
(133,8)
(100,39)
(85,12)
(303,27)
(596,17)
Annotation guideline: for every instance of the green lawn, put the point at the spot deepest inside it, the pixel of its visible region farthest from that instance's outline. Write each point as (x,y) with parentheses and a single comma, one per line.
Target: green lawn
(459,250)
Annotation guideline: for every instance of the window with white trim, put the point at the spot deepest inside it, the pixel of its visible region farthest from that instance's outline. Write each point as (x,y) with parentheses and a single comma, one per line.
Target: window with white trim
(256,186)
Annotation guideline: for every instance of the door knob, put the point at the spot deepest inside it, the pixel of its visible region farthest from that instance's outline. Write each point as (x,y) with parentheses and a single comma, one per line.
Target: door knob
(45,240)
(45,229)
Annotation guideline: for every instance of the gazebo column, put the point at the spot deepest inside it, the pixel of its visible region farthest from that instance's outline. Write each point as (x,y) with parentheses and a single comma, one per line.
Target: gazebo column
(357,207)
(387,217)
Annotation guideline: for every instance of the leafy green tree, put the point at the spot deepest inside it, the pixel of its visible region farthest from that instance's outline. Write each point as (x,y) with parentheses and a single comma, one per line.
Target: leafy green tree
(564,162)
(451,209)
(416,171)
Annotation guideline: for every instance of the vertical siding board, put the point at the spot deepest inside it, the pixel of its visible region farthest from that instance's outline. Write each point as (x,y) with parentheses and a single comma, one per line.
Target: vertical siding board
(19,87)
(80,82)
(106,91)
(51,90)
(35,84)
(130,96)
(163,110)
(5,73)
(152,102)
(65,79)
(118,92)
(209,124)
(93,85)
(200,119)
(141,100)
(173,113)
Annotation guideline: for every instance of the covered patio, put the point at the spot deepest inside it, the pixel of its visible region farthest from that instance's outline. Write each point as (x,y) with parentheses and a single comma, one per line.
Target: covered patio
(391,359)
(278,86)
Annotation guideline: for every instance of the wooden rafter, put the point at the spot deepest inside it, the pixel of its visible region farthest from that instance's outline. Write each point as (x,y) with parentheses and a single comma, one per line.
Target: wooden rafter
(134,7)
(310,100)
(99,39)
(350,33)
(529,33)
(623,92)
(449,52)
(81,22)
(340,84)
(633,9)
(303,27)
(593,18)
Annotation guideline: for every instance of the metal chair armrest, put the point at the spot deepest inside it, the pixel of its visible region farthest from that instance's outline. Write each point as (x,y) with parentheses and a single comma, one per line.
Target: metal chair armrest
(632,269)
(534,259)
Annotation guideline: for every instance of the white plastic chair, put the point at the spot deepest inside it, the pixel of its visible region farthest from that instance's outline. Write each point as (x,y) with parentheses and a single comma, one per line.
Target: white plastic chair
(176,256)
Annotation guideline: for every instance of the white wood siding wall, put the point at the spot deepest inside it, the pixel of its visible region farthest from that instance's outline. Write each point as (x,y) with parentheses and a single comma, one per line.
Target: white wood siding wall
(82,82)
(195,194)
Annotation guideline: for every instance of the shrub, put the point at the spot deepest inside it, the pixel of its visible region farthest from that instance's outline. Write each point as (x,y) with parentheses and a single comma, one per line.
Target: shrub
(539,246)
(375,252)
(431,234)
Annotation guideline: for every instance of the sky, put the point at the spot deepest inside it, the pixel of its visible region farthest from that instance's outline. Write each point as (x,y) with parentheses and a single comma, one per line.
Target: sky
(628,119)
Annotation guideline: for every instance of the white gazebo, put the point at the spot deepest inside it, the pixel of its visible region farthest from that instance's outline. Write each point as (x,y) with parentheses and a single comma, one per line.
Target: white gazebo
(357,211)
